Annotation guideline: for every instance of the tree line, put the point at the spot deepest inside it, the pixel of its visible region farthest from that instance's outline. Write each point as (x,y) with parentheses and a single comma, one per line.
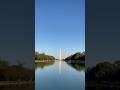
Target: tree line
(43,56)
(76,56)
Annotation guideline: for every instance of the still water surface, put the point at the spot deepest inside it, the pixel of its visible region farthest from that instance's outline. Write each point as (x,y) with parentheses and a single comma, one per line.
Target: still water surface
(59,75)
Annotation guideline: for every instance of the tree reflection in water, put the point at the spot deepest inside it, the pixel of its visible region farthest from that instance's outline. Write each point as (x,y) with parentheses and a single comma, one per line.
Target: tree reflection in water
(77,66)
(43,64)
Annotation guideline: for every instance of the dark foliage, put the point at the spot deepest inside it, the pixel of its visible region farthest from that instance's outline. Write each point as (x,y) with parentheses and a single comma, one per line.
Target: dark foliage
(76,56)
(15,72)
(104,71)
(43,56)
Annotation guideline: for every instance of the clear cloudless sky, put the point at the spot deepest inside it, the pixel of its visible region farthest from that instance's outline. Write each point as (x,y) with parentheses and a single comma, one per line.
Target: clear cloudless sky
(59,24)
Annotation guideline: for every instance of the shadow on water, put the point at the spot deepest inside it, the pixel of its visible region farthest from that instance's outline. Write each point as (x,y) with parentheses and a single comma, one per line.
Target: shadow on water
(18,87)
(102,88)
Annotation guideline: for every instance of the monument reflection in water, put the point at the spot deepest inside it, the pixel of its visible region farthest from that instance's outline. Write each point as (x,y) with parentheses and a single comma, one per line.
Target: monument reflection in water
(59,75)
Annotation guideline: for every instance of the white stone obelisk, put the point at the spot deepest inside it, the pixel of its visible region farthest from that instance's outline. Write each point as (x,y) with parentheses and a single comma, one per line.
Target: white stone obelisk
(60,58)
(60,54)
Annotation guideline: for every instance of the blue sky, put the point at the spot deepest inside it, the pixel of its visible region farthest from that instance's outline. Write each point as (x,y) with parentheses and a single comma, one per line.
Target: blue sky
(59,24)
